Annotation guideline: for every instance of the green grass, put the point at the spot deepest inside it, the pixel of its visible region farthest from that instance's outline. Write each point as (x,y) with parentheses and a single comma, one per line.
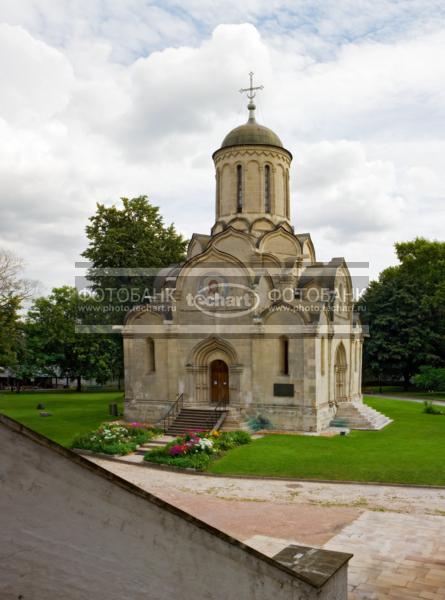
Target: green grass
(410,450)
(72,413)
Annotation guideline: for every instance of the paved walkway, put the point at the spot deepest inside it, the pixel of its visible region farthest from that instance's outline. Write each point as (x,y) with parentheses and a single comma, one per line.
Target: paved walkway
(412,399)
(397,534)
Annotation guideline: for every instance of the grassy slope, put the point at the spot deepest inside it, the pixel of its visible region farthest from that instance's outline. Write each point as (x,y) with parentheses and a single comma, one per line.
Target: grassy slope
(410,450)
(73,413)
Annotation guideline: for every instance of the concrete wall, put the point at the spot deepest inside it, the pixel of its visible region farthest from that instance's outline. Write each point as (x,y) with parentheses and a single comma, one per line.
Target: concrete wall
(72,530)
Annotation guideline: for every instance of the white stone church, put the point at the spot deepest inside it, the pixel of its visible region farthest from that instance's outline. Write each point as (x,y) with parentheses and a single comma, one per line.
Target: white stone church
(250,324)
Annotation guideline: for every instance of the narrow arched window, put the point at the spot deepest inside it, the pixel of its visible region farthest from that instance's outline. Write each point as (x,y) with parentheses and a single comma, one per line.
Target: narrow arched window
(287,196)
(218,195)
(150,356)
(322,351)
(267,206)
(239,188)
(284,356)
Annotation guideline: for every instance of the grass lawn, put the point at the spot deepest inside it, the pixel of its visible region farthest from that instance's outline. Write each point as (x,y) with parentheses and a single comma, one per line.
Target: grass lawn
(410,450)
(72,412)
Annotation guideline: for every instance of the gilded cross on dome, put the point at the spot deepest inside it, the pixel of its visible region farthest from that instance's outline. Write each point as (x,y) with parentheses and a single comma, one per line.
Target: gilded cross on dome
(251,93)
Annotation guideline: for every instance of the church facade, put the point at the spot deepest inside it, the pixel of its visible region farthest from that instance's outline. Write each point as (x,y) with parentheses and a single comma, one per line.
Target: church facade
(250,322)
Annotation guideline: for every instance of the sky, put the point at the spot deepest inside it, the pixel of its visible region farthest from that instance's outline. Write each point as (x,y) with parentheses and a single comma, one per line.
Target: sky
(108,98)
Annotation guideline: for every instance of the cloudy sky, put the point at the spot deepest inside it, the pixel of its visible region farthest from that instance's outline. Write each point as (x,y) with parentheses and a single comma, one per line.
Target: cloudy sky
(108,98)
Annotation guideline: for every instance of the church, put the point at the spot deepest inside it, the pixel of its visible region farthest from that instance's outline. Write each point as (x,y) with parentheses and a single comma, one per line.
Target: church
(250,326)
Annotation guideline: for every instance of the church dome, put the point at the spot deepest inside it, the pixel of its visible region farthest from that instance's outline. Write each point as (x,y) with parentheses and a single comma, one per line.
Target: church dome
(251,134)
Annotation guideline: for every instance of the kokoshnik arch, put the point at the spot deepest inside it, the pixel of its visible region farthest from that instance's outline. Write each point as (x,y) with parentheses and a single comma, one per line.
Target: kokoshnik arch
(250,321)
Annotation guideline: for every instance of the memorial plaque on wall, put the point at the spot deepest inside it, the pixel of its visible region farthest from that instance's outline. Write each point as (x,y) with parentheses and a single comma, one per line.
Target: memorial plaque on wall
(283,389)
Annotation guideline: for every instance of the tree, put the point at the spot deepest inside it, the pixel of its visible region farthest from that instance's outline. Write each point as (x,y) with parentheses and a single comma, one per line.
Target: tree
(405,312)
(9,323)
(13,291)
(56,344)
(133,237)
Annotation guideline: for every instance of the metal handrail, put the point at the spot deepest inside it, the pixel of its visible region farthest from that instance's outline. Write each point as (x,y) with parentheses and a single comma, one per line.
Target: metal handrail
(173,411)
(221,403)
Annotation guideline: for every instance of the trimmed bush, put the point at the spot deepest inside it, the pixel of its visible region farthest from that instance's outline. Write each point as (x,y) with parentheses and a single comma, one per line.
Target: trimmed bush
(114,438)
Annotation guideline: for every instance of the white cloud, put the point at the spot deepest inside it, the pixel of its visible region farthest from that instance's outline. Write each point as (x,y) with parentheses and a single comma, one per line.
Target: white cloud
(339,190)
(36,79)
(78,125)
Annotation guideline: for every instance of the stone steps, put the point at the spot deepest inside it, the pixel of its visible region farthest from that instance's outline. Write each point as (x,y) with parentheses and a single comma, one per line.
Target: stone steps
(157,443)
(190,419)
(356,415)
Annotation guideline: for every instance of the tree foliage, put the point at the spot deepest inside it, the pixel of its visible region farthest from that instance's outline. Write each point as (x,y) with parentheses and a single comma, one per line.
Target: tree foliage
(430,379)
(56,345)
(13,291)
(127,239)
(404,309)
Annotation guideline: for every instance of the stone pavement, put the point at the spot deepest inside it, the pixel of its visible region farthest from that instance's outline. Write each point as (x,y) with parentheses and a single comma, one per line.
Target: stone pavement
(397,534)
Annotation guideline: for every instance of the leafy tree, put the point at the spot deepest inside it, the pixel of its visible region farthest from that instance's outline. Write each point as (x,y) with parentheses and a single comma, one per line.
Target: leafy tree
(130,238)
(135,241)
(56,344)
(9,325)
(405,312)
(13,291)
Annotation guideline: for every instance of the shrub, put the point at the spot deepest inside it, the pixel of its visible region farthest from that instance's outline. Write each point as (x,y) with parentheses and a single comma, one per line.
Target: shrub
(230,439)
(259,422)
(430,379)
(196,450)
(430,409)
(114,438)
(198,461)
(241,437)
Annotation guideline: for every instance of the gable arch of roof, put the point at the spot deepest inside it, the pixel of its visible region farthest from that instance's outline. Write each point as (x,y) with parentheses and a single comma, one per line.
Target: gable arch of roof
(263,220)
(138,312)
(279,231)
(232,231)
(288,309)
(221,258)
(197,239)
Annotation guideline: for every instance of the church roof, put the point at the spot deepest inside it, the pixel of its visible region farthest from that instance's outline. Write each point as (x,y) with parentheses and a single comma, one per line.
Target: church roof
(322,274)
(251,134)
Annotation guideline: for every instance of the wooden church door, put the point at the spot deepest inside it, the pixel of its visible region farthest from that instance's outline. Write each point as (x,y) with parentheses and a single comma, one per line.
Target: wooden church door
(219,381)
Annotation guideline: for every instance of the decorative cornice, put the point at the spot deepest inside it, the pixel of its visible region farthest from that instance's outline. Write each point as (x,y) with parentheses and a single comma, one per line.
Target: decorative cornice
(265,151)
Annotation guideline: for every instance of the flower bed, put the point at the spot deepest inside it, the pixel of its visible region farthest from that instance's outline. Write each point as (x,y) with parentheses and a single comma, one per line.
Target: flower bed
(115,438)
(196,450)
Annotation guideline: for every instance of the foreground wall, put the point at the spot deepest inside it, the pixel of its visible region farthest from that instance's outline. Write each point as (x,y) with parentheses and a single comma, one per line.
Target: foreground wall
(70,529)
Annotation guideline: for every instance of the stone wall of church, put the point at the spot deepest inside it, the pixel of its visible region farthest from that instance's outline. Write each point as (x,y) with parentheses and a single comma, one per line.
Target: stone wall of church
(253,161)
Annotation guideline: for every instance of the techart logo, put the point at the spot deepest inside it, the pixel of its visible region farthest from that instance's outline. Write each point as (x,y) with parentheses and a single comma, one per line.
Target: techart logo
(222,300)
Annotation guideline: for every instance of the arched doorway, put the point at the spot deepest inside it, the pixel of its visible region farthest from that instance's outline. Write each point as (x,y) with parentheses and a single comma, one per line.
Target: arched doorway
(219,382)
(340,367)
